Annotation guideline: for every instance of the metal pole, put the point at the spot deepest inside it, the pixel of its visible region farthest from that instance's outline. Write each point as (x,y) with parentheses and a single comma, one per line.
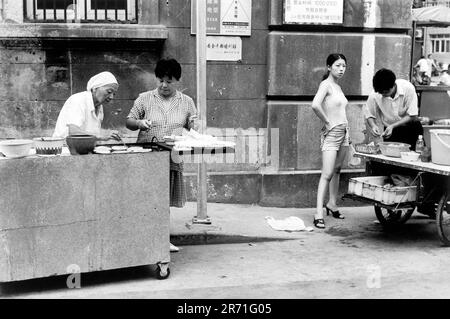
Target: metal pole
(202,189)
(413,47)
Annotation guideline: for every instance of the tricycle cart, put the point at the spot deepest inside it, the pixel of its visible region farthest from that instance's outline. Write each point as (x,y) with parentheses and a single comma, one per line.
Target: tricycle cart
(432,192)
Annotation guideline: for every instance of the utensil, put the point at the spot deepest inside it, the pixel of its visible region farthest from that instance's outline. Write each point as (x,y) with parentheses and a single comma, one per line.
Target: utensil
(121,140)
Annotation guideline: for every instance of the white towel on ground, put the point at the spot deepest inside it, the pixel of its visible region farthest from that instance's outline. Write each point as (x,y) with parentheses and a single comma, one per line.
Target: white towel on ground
(290,224)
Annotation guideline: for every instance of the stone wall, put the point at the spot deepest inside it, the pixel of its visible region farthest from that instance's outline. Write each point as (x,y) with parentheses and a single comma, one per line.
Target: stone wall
(270,88)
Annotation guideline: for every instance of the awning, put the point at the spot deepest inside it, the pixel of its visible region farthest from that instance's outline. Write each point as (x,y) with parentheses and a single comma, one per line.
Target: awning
(437,16)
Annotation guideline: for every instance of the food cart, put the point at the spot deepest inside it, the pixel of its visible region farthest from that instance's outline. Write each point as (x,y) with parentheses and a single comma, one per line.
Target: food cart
(429,190)
(431,194)
(66,214)
(61,214)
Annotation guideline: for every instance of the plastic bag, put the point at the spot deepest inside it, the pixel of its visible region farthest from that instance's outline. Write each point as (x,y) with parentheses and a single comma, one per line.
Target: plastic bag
(401,180)
(352,159)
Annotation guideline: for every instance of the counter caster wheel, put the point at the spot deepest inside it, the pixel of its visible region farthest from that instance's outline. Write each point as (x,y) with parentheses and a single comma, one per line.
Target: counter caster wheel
(391,218)
(443,219)
(162,271)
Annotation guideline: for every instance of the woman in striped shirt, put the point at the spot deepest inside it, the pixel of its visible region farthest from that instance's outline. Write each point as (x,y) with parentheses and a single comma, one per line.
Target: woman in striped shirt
(165,111)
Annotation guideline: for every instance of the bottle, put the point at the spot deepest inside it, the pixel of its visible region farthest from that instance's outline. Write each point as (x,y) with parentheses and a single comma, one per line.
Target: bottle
(425,155)
(420,144)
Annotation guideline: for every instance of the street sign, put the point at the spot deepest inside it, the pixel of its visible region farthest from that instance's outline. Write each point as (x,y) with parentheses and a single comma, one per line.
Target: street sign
(313,12)
(220,48)
(225,17)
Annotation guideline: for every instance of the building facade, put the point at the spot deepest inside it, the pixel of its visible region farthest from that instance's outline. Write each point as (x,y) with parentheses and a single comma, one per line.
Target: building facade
(262,101)
(436,41)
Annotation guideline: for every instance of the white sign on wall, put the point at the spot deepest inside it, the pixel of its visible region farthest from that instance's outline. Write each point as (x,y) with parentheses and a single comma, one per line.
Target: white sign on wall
(223,48)
(313,11)
(225,17)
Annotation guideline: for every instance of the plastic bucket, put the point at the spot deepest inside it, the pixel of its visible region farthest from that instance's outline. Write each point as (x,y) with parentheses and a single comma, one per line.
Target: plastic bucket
(440,146)
(428,128)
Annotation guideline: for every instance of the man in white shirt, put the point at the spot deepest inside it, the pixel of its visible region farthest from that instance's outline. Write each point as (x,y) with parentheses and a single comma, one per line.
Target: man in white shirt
(394,104)
(424,67)
(82,113)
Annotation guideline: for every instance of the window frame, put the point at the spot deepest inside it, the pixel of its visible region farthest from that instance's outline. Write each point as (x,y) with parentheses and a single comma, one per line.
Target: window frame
(86,14)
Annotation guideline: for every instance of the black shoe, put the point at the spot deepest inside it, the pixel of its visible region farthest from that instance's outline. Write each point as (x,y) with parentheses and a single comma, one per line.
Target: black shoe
(335,213)
(319,223)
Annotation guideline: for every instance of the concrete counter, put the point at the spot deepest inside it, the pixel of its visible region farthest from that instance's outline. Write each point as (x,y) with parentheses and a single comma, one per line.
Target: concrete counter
(96,212)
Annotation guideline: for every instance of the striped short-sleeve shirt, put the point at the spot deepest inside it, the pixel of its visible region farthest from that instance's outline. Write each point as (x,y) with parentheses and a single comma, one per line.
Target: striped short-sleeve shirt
(168,116)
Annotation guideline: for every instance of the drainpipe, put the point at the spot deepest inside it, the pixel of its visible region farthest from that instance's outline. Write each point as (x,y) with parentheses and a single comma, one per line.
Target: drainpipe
(1,10)
(413,47)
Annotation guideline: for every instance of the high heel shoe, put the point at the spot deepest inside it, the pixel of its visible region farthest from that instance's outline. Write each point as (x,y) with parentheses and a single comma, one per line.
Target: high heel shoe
(319,223)
(334,213)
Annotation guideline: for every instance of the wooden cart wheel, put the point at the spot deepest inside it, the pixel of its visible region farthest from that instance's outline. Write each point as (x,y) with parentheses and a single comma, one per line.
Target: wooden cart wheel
(162,271)
(390,217)
(443,219)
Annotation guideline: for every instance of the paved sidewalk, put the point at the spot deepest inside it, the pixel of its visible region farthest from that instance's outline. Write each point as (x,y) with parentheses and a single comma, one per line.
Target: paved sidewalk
(241,256)
(233,223)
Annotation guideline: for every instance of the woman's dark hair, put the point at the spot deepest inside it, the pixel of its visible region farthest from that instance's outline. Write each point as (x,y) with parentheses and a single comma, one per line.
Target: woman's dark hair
(333,57)
(168,67)
(383,80)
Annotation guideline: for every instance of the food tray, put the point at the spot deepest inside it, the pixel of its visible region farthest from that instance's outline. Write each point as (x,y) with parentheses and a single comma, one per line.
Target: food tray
(393,149)
(372,188)
(367,148)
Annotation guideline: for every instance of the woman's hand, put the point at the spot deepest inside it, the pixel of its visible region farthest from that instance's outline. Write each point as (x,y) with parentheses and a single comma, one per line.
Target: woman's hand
(115,136)
(193,123)
(144,125)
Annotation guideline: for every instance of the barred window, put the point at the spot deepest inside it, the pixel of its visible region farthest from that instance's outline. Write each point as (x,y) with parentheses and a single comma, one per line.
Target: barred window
(440,43)
(432,3)
(110,11)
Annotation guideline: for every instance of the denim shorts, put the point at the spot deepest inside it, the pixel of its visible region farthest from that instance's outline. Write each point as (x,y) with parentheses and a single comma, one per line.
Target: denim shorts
(332,140)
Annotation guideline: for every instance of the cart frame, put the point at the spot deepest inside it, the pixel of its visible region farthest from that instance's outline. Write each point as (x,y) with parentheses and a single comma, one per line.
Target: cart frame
(433,190)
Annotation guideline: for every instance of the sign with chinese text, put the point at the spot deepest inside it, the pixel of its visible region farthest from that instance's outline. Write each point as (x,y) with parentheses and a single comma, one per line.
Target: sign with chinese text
(313,11)
(223,48)
(225,17)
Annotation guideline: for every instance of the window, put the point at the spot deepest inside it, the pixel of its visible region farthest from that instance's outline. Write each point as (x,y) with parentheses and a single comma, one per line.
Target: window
(120,11)
(440,43)
(432,3)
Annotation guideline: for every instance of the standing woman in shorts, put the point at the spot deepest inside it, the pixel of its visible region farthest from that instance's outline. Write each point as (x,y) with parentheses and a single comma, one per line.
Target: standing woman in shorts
(329,105)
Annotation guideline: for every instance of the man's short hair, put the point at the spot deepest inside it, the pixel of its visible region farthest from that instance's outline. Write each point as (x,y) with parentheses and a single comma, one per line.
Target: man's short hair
(168,67)
(383,80)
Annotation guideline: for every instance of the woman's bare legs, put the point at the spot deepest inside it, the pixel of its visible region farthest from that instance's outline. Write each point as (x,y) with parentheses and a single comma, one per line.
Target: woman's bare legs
(334,183)
(328,169)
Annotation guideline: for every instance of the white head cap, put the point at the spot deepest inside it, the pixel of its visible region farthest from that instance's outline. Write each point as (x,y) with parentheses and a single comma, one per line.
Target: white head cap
(101,79)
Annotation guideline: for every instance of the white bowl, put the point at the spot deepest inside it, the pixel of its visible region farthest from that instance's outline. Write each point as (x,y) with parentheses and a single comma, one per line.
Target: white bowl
(410,156)
(16,148)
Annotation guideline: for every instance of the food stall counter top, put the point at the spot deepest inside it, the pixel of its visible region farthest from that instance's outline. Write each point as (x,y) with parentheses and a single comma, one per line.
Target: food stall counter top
(423,166)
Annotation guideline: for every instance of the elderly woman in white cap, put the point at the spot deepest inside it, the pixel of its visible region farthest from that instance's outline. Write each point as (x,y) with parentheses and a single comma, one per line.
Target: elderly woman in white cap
(83,112)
